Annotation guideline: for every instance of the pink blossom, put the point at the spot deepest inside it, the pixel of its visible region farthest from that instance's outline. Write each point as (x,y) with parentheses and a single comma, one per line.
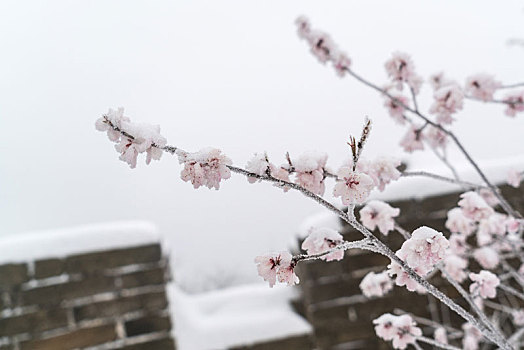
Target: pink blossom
(425,248)
(514,177)
(482,86)
(116,118)
(206,167)
(456,267)
(412,140)
(341,62)
(435,137)
(383,170)
(489,197)
(474,206)
(401,329)
(440,335)
(352,187)
(376,284)
(277,265)
(267,266)
(448,100)
(258,164)
(379,214)
(457,222)
(309,169)
(400,69)
(395,109)
(512,225)
(322,46)
(403,278)
(384,326)
(280,173)
(457,244)
(484,283)
(518,317)
(303,27)
(321,240)
(487,257)
(438,80)
(514,102)
(471,338)
(495,224)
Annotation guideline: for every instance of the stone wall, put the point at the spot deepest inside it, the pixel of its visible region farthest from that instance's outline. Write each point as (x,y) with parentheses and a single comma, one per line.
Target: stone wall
(113,299)
(331,297)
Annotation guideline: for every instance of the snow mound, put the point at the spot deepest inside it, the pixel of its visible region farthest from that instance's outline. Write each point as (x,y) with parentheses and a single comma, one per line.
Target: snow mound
(235,316)
(68,241)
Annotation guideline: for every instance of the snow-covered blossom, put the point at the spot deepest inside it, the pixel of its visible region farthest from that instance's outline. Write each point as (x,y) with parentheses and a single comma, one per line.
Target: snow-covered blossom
(489,197)
(206,167)
(321,240)
(495,224)
(341,62)
(401,329)
(457,244)
(518,317)
(514,103)
(309,169)
(482,86)
(395,109)
(321,44)
(512,225)
(403,278)
(487,257)
(435,137)
(484,283)
(352,186)
(438,80)
(400,70)
(456,267)
(514,177)
(379,214)
(425,248)
(382,170)
(114,117)
(259,165)
(412,140)
(376,284)
(277,265)
(457,222)
(471,338)
(448,100)
(474,206)
(440,335)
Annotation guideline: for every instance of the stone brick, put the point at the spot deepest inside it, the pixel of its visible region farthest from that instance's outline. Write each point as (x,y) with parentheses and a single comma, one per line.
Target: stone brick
(148,324)
(33,322)
(79,338)
(48,268)
(12,275)
(159,344)
(121,306)
(144,278)
(56,293)
(99,261)
(300,342)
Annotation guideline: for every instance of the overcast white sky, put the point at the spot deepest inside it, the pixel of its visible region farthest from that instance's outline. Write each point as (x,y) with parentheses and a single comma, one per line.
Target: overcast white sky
(230,74)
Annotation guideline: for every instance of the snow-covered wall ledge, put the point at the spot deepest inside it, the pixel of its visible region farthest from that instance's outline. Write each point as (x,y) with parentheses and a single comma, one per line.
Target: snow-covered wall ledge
(98,285)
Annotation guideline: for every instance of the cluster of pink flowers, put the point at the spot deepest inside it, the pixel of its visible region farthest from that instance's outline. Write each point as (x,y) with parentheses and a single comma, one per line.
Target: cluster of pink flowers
(260,165)
(277,266)
(421,252)
(321,240)
(440,335)
(352,186)
(145,138)
(514,103)
(322,46)
(482,86)
(382,170)
(474,206)
(309,168)
(206,167)
(396,107)
(484,284)
(379,214)
(402,330)
(401,70)
(457,222)
(435,137)
(456,267)
(376,284)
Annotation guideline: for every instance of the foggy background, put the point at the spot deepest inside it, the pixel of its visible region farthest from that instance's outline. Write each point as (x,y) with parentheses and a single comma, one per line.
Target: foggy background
(228,74)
